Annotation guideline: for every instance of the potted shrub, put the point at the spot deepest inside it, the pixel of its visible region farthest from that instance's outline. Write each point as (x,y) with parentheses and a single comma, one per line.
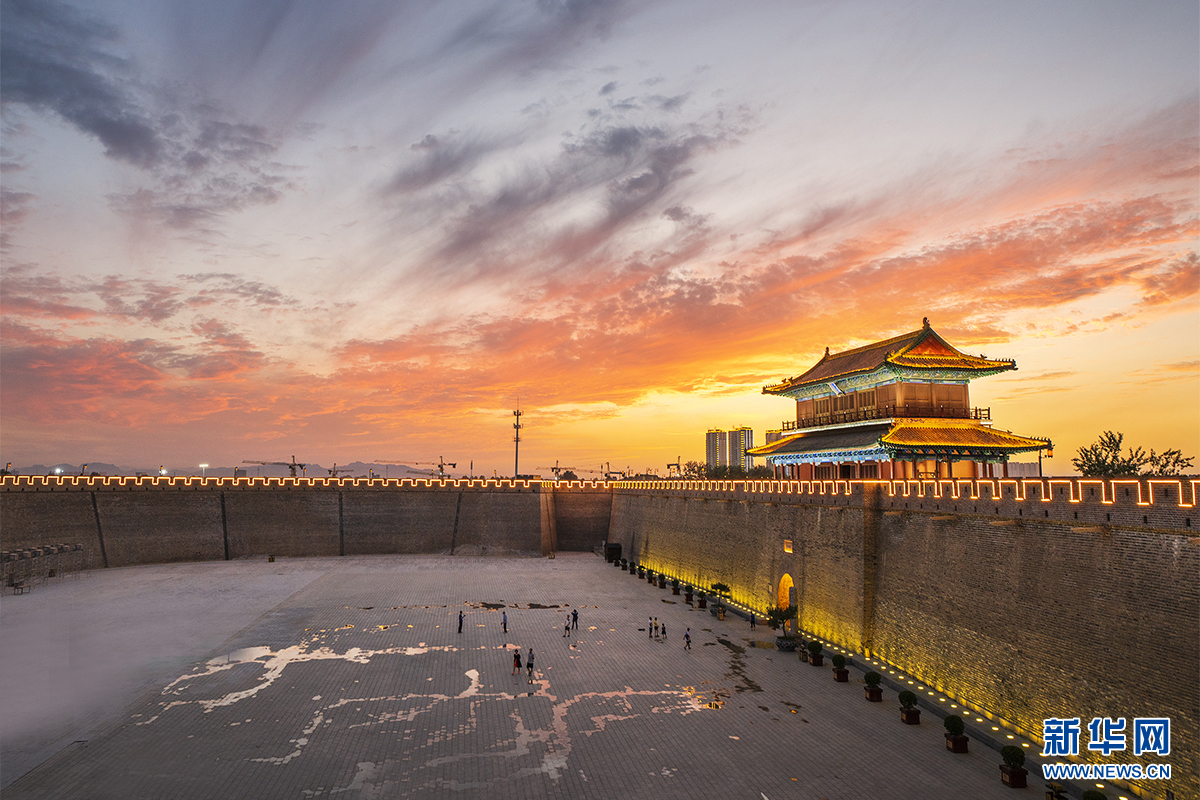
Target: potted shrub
(909,713)
(955,741)
(1011,771)
(814,654)
(874,693)
(777,619)
(649,576)
(687,593)
(675,586)
(662,581)
(840,673)
(702,600)
(624,565)
(641,572)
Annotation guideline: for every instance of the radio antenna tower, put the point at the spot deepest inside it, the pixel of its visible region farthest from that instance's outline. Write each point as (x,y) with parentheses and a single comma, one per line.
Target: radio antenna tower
(517,440)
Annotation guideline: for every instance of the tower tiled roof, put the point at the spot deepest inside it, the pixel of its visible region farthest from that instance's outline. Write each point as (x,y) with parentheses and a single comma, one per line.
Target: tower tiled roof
(906,438)
(966,435)
(920,349)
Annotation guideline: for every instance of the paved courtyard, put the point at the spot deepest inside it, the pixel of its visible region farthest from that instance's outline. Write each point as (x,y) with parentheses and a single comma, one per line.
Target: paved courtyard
(348,678)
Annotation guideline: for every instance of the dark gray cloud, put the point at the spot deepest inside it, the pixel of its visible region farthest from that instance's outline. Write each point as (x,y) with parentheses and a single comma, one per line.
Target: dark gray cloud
(608,88)
(442,158)
(58,60)
(632,167)
(669,103)
(54,58)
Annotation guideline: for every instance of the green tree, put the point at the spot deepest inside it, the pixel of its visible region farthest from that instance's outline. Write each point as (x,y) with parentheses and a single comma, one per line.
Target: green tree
(760,471)
(779,617)
(1170,462)
(569,476)
(1104,460)
(718,473)
(693,470)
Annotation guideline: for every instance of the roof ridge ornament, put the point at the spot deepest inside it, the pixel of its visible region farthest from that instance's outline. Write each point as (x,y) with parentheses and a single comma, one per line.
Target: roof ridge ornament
(925,322)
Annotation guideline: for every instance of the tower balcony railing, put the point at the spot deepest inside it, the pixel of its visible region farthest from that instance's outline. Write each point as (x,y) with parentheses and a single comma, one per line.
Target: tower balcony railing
(888,412)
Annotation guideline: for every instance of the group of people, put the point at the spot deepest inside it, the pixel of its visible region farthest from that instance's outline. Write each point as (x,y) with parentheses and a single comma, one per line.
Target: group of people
(528,662)
(572,623)
(655,629)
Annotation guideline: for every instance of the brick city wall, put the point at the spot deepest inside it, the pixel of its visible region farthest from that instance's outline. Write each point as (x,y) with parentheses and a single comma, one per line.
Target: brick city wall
(1025,599)
(127,521)
(1081,604)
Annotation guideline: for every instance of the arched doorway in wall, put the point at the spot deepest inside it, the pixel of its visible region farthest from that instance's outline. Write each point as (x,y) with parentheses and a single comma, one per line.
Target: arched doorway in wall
(786,587)
(786,595)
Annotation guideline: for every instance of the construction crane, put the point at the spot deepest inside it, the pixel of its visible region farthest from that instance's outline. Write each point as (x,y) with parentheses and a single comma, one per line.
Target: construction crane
(333,473)
(675,466)
(441,464)
(557,470)
(293,466)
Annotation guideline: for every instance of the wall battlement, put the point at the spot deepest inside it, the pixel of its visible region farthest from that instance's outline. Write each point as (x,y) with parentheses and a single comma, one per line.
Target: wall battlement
(94,483)
(1140,502)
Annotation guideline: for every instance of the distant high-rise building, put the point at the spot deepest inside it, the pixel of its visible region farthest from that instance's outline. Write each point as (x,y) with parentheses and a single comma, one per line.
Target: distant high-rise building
(716,448)
(728,448)
(740,440)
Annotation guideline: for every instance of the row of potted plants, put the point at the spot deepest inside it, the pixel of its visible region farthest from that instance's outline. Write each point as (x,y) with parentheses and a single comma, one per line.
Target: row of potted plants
(1012,772)
(690,593)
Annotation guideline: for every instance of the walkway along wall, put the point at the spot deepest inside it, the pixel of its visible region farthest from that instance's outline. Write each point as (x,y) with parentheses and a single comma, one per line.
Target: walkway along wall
(1026,599)
(127,521)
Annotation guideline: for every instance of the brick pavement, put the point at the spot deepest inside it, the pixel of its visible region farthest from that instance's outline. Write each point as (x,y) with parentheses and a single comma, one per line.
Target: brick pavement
(357,685)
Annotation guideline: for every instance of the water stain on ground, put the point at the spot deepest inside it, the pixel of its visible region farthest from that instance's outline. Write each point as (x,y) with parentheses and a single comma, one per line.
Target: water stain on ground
(737,666)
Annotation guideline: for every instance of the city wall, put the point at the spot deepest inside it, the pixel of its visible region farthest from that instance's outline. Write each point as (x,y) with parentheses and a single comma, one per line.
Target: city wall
(1025,599)
(128,521)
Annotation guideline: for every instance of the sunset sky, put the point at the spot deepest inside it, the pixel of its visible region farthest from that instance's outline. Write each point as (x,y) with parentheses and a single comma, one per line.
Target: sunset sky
(360,231)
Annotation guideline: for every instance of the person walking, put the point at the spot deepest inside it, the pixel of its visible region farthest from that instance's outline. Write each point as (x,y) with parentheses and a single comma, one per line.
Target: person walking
(516,661)
(687,639)
(575,618)
(567,628)
(753,621)
(664,631)
(649,627)
(504,622)
(460,619)
(529,664)
(656,626)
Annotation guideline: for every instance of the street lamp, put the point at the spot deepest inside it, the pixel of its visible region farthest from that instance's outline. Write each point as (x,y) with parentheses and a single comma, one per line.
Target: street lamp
(203,467)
